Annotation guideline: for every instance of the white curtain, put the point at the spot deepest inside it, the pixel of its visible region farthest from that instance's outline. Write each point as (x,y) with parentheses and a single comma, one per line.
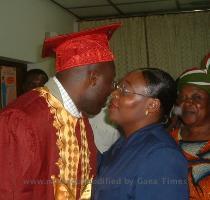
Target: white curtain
(177,42)
(171,42)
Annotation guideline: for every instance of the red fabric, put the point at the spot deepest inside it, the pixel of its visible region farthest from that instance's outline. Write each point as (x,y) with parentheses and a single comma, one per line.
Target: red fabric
(28,150)
(207,60)
(82,48)
(201,189)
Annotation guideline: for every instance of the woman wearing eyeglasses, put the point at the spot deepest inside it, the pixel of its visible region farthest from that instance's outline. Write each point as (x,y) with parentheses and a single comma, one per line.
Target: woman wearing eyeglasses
(193,136)
(145,163)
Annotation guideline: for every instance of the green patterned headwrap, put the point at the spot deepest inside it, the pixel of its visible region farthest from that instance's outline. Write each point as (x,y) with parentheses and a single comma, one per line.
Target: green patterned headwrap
(197,77)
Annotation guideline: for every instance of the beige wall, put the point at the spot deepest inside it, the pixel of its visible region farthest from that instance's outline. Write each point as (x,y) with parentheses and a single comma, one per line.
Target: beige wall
(23,24)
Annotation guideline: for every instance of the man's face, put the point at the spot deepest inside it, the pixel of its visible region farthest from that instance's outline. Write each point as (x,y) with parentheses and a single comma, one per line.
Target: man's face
(97,93)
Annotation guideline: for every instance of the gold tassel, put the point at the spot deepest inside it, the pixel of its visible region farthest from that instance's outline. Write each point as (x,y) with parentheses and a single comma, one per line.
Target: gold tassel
(86,193)
(61,191)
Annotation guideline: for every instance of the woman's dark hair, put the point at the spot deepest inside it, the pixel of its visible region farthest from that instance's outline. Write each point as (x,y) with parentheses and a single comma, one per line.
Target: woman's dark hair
(31,77)
(35,72)
(162,86)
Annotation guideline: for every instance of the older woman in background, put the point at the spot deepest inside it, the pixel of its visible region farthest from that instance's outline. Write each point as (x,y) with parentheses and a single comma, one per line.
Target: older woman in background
(144,164)
(193,136)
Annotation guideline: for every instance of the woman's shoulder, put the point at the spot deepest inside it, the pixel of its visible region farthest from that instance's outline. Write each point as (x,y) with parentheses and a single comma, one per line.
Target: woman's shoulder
(159,138)
(160,141)
(162,148)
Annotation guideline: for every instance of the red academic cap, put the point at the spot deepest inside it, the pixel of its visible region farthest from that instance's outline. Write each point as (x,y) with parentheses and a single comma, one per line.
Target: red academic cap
(82,48)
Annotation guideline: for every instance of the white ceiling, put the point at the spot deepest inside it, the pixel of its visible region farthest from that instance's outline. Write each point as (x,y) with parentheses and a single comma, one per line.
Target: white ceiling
(96,9)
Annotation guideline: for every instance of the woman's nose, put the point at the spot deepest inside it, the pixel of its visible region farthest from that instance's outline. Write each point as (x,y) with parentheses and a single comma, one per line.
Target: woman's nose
(188,100)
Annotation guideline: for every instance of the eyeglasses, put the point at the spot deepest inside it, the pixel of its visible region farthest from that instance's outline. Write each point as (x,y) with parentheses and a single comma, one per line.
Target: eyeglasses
(195,98)
(124,91)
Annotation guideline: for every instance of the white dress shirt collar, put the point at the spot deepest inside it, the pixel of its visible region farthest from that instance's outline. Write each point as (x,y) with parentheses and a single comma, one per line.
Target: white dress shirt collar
(67,101)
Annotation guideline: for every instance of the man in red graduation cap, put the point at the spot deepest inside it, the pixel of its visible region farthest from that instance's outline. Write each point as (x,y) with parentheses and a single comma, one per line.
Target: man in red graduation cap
(47,149)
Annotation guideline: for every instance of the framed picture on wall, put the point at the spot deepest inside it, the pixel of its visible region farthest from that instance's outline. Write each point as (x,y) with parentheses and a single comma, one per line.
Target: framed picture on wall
(11,76)
(8,85)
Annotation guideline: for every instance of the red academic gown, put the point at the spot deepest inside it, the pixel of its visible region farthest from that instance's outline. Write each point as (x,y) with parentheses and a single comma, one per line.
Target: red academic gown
(28,150)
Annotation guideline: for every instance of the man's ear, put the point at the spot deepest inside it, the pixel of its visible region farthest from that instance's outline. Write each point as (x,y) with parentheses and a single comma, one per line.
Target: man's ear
(93,77)
(154,106)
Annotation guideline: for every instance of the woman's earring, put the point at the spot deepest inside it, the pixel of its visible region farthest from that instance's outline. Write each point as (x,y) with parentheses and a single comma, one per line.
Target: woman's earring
(114,95)
(146,112)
